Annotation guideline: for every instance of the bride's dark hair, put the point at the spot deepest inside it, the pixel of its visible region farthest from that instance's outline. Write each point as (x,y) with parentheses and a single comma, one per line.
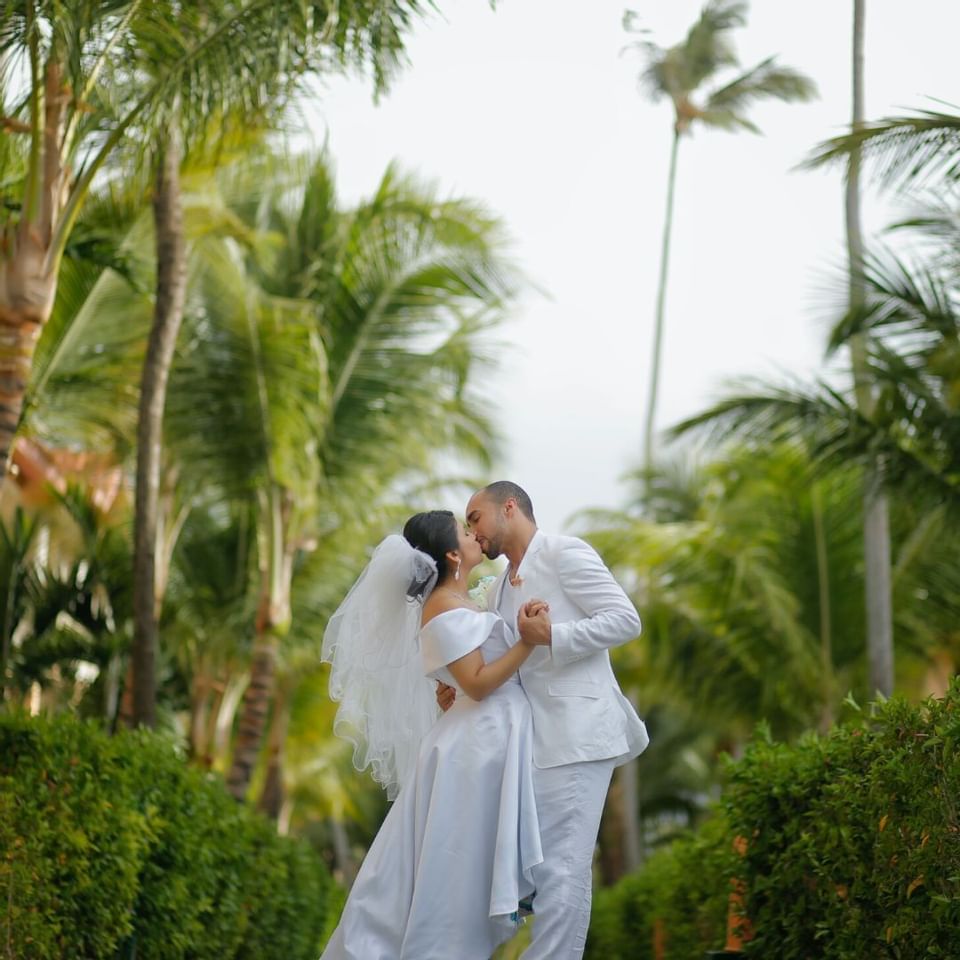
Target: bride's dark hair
(434,532)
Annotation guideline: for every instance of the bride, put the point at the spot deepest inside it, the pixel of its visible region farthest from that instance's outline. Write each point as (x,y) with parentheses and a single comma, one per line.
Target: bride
(454,855)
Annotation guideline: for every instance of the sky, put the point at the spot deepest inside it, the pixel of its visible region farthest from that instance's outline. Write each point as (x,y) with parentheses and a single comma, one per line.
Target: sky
(534,109)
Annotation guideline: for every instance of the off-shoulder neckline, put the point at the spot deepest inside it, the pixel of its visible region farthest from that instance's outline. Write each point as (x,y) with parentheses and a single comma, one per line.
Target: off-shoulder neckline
(443,613)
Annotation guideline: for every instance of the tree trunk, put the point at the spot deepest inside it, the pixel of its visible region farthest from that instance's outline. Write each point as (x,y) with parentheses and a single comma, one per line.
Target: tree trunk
(198,732)
(612,862)
(656,356)
(28,265)
(125,710)
(27,292)
(273,621)
(876,545)
(626,808)
(233,691)
(209,736)
(273,794)
(254,710)
(876,531)
(824,607)
(342,861)
(168,315)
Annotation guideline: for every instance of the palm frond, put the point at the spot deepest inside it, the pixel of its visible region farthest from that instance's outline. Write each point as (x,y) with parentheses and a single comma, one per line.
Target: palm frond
(724,107)
(135,68)
(247,380)
(911,302)
(908,151)
(707,47)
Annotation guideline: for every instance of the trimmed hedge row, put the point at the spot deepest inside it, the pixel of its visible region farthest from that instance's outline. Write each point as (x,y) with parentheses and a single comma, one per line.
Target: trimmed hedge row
(854,838)
(852,851)
(111,847)
(674,908)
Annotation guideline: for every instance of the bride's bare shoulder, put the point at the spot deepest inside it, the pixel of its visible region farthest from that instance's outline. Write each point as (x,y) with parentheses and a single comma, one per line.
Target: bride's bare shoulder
(443,603)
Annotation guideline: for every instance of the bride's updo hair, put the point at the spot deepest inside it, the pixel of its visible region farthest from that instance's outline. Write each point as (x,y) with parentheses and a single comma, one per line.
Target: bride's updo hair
(435,533)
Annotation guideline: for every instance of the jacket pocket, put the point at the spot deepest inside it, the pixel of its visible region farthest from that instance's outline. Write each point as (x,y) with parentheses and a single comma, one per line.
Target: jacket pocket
(575,688)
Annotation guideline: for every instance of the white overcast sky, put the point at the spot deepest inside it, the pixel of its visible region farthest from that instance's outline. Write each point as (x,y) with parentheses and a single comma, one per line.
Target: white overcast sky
(534,109)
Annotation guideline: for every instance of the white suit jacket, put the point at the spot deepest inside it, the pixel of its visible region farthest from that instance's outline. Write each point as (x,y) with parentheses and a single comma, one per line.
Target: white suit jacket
(579,712)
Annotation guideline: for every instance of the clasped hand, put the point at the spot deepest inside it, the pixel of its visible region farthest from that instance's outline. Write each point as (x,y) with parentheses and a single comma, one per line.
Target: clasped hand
(533,624)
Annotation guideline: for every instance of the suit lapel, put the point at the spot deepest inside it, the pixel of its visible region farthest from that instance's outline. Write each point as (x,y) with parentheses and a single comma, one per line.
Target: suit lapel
(533,548)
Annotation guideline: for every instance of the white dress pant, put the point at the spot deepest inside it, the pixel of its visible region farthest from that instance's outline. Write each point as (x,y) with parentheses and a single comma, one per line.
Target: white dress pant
(569,803)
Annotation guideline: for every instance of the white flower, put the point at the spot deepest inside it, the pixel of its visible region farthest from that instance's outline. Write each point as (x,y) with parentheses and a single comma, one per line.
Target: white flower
(479,593)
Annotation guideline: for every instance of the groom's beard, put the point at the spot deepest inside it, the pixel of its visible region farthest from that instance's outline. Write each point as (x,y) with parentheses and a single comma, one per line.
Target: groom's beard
(493,547)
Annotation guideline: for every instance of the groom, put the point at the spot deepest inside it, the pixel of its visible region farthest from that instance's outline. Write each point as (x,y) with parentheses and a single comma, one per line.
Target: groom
(583,726)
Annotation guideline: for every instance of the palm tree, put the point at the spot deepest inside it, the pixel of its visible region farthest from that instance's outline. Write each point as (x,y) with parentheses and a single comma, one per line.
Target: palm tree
(67,591)
(724,577)
(330,356)
(909,438)
(329,364)
(80,78)
(72,86)
(876,523)
(381,46)
(207,616)
(748,580)
(681,73)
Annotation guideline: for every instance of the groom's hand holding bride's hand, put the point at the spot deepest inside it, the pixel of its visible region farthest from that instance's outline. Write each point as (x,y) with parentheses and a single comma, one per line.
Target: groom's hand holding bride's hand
(533,622)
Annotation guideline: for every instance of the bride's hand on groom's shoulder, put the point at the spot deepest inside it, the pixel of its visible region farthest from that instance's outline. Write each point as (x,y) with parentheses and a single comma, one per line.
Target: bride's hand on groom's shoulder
(533,622)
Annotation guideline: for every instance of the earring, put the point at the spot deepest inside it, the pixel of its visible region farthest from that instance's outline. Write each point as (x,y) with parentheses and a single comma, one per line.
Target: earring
(456,575)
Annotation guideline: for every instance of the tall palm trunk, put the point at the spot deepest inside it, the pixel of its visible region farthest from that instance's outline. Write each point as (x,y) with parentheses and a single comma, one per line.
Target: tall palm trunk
(222,720)
(656,355)
(876,527)
(273,795)
(198,732)
(825,611)
(27,291)
(28,262)
(342,859)
(168,315)
(255,706)
(622,812)
(612,858)
(273,621)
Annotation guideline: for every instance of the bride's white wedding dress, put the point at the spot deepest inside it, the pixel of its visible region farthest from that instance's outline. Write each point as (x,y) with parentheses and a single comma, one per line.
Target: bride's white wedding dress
(454,855)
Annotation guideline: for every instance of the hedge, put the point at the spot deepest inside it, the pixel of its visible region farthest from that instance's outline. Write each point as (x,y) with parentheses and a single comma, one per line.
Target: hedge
(112,847)
(854,838)
(674,908)
(852,850)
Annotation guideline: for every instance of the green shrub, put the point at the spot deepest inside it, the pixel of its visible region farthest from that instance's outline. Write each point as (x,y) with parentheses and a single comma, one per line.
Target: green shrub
(853,850)
(114,847)
(854,838)
(288,919)
(682,887)
(191,884)
(71,843)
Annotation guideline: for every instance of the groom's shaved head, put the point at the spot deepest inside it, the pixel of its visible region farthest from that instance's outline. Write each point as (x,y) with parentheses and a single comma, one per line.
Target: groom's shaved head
(500,491)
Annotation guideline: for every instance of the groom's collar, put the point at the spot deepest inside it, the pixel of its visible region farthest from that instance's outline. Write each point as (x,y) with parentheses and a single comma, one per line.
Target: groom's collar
(533,547)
